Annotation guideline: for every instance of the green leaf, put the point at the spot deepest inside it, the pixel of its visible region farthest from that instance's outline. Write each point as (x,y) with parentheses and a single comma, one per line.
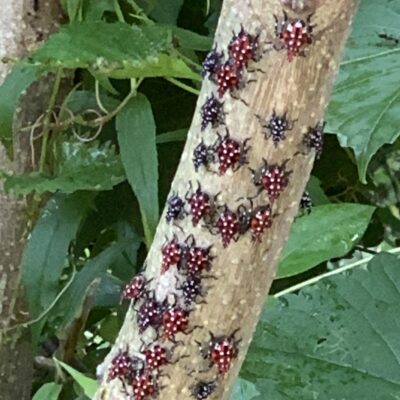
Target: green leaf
(83,100)
(365,108)
(244,390)
(316,193)
(137,140)
(86,281)
(179,135)
(115,50)
(88,385)
(81,166)
(49,391)
(45,254)
(336,340)
(191,40)
(18,80)
(167,11)
(94,9)
(329,231)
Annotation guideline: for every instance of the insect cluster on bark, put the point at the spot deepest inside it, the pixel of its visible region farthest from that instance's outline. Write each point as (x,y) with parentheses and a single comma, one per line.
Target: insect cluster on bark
(189,259)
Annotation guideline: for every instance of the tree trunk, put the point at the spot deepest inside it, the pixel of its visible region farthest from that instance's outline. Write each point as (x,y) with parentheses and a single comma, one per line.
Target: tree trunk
(23,24)
(245,269)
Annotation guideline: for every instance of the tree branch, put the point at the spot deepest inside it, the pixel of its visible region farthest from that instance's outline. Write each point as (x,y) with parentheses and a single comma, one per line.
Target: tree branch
(245,269)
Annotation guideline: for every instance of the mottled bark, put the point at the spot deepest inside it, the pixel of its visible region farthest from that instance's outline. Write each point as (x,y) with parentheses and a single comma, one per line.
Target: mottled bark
(244,270)
(23,24)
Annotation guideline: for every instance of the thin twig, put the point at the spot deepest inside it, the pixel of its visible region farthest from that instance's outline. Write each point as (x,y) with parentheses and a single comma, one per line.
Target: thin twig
(330,273)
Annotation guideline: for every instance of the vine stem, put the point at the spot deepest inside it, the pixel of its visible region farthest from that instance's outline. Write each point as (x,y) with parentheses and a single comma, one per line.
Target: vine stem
(331,273)
(46,122)
(98,99)
(139,12)
(183,86)
(118,11)
(95,122)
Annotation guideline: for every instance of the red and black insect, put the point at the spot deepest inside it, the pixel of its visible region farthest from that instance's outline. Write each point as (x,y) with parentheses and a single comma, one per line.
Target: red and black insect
(135,289)
(276,127)
(156,356)
(174,320)
(176,208)
(202,156)
(229,78)
(230,153)
(227,225)
(196,258)
(201,204)
(273,179)
(221,351)
(150,315)
(123,366)
(294,35)
(314,139)
(203,390)
(256,220)
(212,113)
(211,64)
(171,254)
(144,385)
(306,203)
(244,48)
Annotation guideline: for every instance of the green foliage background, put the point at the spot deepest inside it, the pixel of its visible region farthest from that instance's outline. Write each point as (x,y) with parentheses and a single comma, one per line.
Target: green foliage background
(331,325)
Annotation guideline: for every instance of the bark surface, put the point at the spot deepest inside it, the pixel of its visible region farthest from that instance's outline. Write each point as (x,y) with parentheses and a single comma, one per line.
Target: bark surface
(244,270)
(23,24)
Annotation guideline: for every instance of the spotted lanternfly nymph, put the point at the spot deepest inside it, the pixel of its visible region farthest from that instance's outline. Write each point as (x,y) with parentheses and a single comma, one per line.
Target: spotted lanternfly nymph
(294,35)
(144,385)
(273,179)
(156,357)
(203,390)
(306,202)
(191,288)
(314,139)
(211,64)
(196,259)
(276,127)
(202,156)
(230,153)
(149,315)
(175,320)
(135,289)
(221,351)
(171,254)
(227,225)
(229,78)
(123,366)
(261,219)
(244,48)
(255,220)
(201,204)
(212,113)
(176,208)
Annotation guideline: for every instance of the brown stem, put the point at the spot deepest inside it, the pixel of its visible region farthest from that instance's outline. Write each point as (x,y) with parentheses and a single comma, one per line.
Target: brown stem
(245,270)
